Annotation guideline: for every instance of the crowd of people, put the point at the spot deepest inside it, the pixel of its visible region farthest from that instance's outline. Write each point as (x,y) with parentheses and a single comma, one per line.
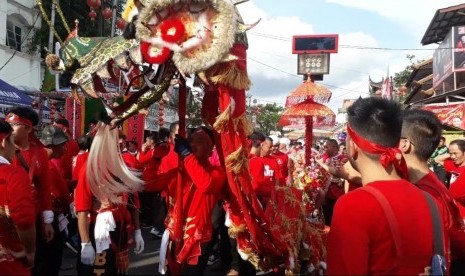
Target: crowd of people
(392,196)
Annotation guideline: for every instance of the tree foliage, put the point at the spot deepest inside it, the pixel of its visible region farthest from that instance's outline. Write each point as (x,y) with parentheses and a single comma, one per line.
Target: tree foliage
(268,118)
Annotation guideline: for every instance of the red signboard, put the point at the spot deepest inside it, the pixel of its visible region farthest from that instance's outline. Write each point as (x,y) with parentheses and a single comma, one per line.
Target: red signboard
(135,129)
(315,44)
(74,117)
(451,114)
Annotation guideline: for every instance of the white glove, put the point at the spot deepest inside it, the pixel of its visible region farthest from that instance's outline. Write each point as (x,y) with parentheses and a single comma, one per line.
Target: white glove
(139,242)
(72,210)
(87,253)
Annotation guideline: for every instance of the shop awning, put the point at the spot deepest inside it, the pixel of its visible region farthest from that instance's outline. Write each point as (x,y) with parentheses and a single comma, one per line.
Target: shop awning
(11,96)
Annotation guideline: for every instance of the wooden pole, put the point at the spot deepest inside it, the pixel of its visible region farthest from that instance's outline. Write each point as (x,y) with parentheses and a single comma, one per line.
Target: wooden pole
(308,139)
(179,194)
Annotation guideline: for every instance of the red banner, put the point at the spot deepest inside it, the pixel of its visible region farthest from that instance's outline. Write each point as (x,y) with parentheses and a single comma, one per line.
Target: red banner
(135,129)
(73,113)
(451,114)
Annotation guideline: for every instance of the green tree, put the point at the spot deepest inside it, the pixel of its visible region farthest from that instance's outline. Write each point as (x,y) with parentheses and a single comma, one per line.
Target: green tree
(400,78)
(268,118)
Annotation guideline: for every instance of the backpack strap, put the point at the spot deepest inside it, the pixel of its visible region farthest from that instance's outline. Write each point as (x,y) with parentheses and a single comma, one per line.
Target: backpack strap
(22,160)
(392,221)
(438,238)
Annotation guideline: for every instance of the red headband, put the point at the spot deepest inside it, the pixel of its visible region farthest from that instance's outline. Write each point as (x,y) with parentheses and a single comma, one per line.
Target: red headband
(388,155)
(15,119)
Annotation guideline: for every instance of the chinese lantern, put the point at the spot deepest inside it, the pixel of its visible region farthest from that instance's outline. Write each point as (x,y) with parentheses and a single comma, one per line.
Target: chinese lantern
(92,15)
(94,4)
(120,24)
(107,13)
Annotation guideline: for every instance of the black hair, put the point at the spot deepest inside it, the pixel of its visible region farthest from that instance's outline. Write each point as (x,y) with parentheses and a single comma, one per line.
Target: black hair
(123,136)
(154,137)
(5,128)
(26,113)
(377,120)
(173,126)
(133,142)
(423,129)
(62,121)
(442,139)
(164,134)
(268,138)
(84,142)
(460,143)
(333,142)
(208,131)
(257,138)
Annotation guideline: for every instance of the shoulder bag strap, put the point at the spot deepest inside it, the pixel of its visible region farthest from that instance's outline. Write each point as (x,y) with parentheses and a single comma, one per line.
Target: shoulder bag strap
(393,225)
(22,160)
(438,241)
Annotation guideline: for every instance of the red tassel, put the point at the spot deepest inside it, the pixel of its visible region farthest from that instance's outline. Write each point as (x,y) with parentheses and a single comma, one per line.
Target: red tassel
(154,57)
(172,30)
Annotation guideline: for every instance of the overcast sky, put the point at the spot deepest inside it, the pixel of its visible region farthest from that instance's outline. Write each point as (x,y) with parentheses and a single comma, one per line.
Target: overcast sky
(394,24)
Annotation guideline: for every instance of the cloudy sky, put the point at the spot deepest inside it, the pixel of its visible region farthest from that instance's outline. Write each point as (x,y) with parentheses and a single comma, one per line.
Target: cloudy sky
(394,24)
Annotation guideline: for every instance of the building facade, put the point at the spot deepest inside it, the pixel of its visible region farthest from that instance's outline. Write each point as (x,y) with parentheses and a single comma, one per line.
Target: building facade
(19,65)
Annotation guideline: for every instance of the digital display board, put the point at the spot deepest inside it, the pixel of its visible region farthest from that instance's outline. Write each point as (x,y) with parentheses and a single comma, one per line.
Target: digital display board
(315,44)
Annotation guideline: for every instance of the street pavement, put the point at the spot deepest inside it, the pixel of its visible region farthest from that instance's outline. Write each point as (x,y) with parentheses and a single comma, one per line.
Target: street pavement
(145,263)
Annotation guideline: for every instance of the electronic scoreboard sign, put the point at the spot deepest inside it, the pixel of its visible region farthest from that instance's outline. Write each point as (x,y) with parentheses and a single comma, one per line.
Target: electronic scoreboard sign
(315,44)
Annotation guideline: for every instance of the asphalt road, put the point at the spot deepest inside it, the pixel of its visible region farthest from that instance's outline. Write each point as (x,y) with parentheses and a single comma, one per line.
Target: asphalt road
(145,263)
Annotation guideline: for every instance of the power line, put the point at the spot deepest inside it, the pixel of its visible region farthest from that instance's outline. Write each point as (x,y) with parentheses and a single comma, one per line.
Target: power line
(297,76)
(357,47)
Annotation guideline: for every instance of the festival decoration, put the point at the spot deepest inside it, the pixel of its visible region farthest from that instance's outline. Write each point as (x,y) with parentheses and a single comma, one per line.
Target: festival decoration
(92,15)
(107,13)
(205,39)
(94,4)
(121,23)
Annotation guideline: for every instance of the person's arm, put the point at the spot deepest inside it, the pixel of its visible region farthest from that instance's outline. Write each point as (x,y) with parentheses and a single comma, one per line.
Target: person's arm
(83,226)
(207,181)
(22,211)
(441,158)
(134,208)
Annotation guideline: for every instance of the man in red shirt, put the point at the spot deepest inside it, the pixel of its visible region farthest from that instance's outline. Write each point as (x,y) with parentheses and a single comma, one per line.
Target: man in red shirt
(265,172)
(282,159)
(84,143)
(17,211)
(203,185)
(32,156)
(55,141)
(454,163)
(360,240)
(421,133)
(64,164)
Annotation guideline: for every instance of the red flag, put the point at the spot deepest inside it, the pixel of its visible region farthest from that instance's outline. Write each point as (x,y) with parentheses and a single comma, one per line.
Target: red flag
(386,89)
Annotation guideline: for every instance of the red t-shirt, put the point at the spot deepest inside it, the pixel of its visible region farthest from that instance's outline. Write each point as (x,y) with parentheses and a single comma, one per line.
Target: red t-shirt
(85,201)
(283,164)
(131,160)
(59,190)
(16,196)
(265,174)
(360,241)
(78,161)
(39,174)
(457,183)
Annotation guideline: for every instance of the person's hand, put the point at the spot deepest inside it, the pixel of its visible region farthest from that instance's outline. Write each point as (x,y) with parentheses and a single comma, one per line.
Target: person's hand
(139,242)
(87,253)
(182,146)
(72,210)
(30,257)
(48,233)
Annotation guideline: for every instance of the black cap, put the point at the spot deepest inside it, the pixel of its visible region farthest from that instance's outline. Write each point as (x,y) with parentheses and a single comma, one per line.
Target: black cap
(53,136)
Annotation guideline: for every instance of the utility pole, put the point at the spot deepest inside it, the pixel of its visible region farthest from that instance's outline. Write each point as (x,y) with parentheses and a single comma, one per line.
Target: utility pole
(50,34)
(113,20)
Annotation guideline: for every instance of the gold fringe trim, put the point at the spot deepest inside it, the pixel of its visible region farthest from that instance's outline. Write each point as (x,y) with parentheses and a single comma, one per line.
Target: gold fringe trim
(237,161)
(235,230)
(253,259)
(221,122)
(244,122)
(229,75)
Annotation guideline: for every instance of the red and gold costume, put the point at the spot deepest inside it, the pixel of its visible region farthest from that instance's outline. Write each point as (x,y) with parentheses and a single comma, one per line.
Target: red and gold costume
(361,242)
(203,185)
(17,211)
